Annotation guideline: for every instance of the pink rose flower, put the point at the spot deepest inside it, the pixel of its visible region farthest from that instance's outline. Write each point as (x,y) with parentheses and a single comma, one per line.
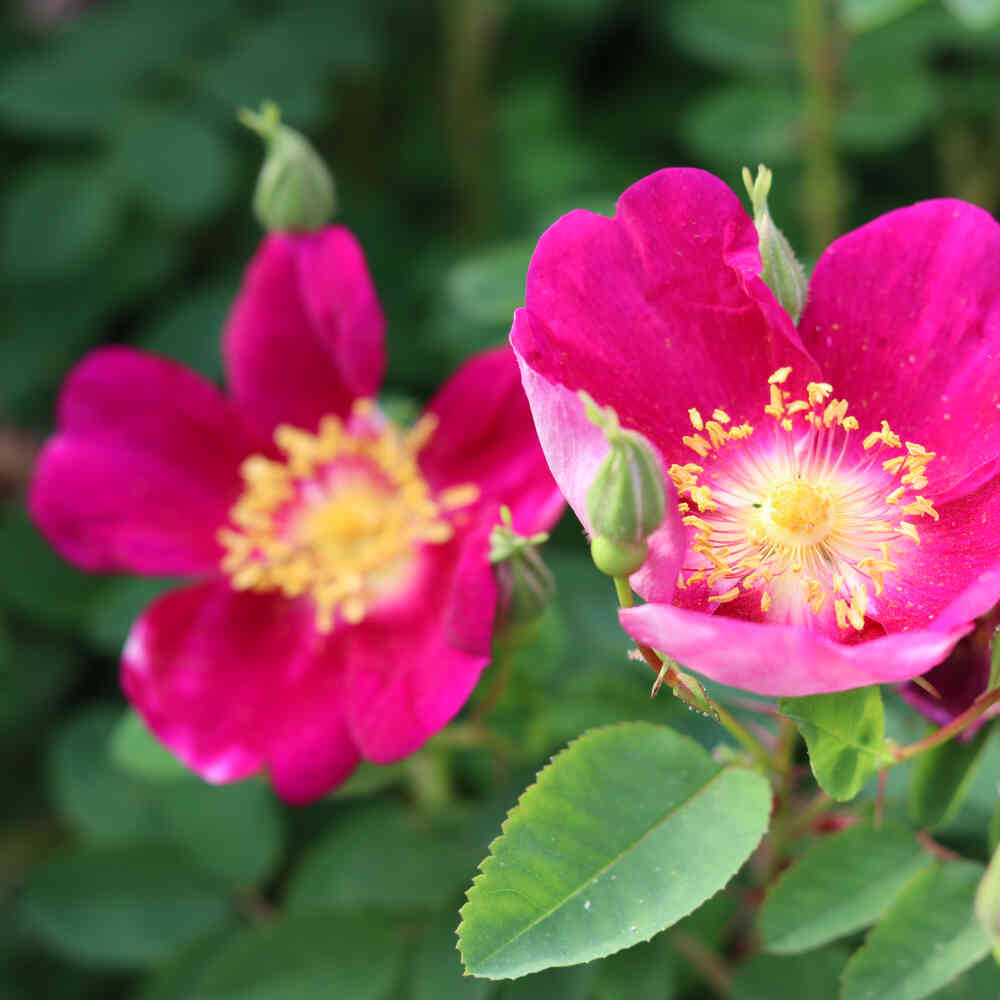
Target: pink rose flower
(344,605)
(833,520)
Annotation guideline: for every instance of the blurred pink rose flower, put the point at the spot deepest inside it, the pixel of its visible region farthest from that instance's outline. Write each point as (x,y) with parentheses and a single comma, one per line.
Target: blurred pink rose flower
(834,516)
(344,605)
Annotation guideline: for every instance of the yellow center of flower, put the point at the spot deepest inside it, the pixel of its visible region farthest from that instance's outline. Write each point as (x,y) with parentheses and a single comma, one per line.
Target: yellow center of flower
(795,511)
(342,519)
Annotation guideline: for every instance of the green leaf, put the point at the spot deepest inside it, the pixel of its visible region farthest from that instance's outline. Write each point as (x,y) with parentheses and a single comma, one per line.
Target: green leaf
(993,833)
(843,882)
(136,750)
(941,780)
(925,940)
(308,957)
(552,984)
(626,831)
(178,978)
(844,733)
(382,854)
(123,906)
(649,969)
(975,14)
(978,983)
(864,15)
(437,970)
(58,218)
(179,167)
(118,604)
(790,977)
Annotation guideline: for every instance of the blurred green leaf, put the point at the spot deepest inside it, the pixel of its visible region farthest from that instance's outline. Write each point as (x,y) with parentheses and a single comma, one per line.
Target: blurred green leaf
(864,15)
(178,166)
(647,970)
(308,957)
(436,972)
(552,984)
(994,681)
(844,733)
(136,750)
(924,941)
(369,778)
(75,201)
(124,906)
(747,123)
(609,885)
(178,978)
(975,14)
(38,584)
(382,854)
(791,977)
(735,35)
(979,982)
(121,600)
(485,288)
(941,780)
(843,883)
(993,832)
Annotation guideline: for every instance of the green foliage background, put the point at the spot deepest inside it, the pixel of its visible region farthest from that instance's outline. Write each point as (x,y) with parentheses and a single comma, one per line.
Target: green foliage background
(457,130)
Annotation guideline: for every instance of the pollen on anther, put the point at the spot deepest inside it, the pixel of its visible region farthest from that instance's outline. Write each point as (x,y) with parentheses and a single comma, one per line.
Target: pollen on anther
(729,595)
(695,417)
(780,375)
(721,416)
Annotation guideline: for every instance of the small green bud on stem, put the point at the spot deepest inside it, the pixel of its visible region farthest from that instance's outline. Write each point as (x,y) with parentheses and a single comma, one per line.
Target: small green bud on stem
(295,190)
(626,501)
(782,272)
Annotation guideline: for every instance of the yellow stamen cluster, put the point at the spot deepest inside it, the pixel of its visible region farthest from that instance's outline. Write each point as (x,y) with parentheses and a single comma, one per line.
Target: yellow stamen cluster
(786,519)
(340,520)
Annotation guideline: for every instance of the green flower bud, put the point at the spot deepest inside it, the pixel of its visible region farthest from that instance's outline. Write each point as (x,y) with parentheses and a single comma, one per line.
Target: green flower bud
(626,501)
(526,583)
(782,272)
(295,190)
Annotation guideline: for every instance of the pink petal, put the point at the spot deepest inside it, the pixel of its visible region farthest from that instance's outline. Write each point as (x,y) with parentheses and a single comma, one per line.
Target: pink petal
(233,682)
(305,335)
(574,449)
(647,311)
(904,318)
(413,664)
(143,469)
(485,436)
(784,659)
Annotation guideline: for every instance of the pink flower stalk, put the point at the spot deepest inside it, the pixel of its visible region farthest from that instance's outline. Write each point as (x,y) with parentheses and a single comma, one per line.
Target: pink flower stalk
(344,604)
(833,515)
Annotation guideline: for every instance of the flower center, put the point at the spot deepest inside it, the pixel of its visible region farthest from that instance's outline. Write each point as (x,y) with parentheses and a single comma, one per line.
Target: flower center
(799,510)
(797,513)
(342,519)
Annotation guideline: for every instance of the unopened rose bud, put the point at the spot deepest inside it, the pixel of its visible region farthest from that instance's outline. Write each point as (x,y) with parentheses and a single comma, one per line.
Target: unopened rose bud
(782,272)
(526,583)
(295,190)
(626,501)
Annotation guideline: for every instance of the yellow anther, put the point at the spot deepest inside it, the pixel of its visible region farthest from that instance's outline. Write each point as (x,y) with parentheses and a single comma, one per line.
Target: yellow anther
(695,417)
(765,602)
(786,424)
(776,378)
(838,583)
(455,497)
(915,479)
(850,423)
(815,595)
(894,496)
(919,451)
(718,574)
(717,433)
(697,444)
(840,610)
(893,465)
(796,407)
(910,531)
(858,607)
(721,416)
(879,526)
(818,392)
(697,577)
(921,506)
(776,408)
(693,521)
(835,412)
(702,496)
(681,476)
(729,595)
(681,585)
(884,436)
(684,507)
(741,431)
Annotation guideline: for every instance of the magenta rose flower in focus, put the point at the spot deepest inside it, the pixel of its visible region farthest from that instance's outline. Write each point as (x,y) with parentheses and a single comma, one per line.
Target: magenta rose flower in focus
(342,605)
(833,487)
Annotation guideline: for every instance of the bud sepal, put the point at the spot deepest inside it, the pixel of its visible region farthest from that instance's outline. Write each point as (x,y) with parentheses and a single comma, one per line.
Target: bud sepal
(526,583)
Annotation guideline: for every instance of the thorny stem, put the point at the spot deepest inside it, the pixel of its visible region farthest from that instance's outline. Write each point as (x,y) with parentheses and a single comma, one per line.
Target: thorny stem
(665,670)
(978,708)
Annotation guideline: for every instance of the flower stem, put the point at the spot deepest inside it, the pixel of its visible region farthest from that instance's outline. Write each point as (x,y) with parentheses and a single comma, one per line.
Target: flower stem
(667,674)
(978,708)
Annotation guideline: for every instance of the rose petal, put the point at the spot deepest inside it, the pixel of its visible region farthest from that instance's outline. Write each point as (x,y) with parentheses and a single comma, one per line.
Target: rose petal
(235,681)
(784,659)
(647,311)
(144,468)
(412,664)
(904,318)
(305,335)
(485,436)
